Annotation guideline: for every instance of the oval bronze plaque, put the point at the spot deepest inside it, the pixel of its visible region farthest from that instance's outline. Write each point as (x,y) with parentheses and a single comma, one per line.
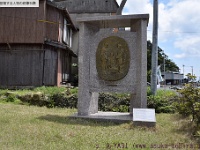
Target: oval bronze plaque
(112,58)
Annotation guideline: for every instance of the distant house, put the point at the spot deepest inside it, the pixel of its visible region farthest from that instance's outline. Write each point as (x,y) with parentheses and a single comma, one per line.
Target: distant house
(35,46)
(172,78)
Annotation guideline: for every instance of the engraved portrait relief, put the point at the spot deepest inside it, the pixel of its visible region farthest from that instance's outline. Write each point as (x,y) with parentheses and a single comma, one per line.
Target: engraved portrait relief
(112,58)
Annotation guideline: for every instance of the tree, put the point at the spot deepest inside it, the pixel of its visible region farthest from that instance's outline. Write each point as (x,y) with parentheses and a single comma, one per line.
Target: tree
(169,64)
(191,77)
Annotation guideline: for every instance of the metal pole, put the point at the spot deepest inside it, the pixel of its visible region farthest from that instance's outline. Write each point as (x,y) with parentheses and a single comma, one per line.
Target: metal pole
(154,57)
(192,70)
(164,72)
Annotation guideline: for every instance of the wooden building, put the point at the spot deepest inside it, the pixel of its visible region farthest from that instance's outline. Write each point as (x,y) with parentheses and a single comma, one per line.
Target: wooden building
(35,46)
(39,45)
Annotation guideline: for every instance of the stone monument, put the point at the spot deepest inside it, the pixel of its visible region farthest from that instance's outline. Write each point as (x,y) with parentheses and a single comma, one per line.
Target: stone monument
(112,60)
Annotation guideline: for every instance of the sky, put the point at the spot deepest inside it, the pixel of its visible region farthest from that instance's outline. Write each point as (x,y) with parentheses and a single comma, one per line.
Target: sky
(178,29)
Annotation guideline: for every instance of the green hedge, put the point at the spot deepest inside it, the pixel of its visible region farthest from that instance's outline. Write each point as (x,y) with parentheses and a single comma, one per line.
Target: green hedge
(114,102)
(67,98)
(160,104)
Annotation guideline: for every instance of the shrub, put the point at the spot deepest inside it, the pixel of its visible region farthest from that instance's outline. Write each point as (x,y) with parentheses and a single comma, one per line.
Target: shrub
(114,102)
(162,102)
(3,92)
(51,97)
(67,98)
(59,100)
(72,101)
(11,98)
(38,99)
(8,96)
(188,102)
(62,100)
(149,91)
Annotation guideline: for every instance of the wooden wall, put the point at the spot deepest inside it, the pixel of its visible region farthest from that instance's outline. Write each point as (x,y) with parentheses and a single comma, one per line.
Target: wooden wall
(52,26)
(21,67)
(31,25)
(50,66)
(22,25)
(27,65)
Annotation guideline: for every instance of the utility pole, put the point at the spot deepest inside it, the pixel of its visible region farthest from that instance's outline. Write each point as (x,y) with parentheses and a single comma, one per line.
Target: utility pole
(154,55)
(192,70)
(188,66)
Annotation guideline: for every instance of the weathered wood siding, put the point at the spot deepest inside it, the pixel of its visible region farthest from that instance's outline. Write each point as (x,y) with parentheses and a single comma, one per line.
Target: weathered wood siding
(27,65)
(22,25)
(89,6)
(52,26)
(50,66)
(21,66)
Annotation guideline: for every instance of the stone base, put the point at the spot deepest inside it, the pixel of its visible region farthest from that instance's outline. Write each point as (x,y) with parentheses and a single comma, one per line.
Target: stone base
(144,124)
(108,116)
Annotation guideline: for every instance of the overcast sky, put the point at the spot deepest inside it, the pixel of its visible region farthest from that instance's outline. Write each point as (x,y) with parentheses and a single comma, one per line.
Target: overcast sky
(179,29)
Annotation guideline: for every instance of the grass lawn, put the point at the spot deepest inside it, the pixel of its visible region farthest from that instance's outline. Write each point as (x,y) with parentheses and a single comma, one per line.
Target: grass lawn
(39,128)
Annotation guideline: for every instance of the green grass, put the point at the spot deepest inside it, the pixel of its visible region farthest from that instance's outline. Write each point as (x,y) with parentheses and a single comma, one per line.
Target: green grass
(30,127)
(166,93)
(46,90)
(50,90)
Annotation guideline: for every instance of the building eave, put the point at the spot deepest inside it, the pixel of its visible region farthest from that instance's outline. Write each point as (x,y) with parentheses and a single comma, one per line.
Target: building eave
(60,46)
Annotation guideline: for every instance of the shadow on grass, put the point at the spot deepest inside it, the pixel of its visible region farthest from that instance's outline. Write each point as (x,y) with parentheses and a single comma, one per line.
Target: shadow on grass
(78,121)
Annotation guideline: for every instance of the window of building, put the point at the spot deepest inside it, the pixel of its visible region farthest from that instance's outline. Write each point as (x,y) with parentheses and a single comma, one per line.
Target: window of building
(67,34)
(66,66)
